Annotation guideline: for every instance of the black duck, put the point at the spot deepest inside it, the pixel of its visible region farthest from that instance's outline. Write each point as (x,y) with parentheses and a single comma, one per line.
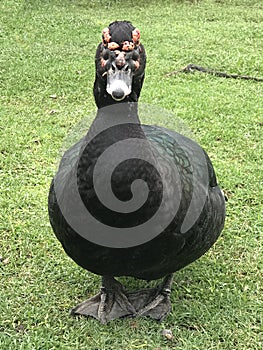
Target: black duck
(131,199)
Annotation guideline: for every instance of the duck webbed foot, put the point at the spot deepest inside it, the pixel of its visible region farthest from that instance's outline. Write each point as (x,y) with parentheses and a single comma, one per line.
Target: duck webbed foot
(153,302)
(111,303)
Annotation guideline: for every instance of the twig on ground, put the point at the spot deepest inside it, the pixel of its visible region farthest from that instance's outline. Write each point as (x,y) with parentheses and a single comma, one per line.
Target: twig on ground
(191,67)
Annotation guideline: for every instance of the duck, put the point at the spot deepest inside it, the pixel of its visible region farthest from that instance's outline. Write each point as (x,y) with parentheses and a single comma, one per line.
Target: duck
(130,199)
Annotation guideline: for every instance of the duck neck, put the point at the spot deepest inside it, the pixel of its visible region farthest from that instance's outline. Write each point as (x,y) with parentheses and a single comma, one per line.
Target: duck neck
(125,112)
(120,119)
(113,124)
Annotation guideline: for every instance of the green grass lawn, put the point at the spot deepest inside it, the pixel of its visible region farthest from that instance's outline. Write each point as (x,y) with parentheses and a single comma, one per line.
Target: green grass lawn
(47,71)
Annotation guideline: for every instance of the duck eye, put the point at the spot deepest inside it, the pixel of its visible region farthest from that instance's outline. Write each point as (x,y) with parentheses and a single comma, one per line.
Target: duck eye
(135,55)
(105,54)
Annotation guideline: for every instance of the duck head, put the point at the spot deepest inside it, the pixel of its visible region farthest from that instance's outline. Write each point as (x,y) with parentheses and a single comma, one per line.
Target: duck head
(120,65)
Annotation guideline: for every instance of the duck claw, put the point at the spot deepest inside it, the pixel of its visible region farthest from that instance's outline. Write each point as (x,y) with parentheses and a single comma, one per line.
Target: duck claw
(150,303)
(110,304)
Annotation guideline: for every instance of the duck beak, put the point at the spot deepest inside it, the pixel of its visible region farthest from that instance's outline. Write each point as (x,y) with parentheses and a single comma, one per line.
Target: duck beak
(119,82)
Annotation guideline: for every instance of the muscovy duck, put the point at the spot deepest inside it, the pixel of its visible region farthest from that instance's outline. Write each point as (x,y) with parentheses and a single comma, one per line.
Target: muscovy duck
(131,199)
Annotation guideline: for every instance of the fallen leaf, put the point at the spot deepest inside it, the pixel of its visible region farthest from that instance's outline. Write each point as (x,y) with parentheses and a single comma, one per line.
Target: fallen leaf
(6,261)
(167,333)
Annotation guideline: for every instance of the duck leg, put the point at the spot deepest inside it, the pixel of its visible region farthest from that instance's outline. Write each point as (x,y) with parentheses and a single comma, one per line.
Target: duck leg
(153,302)
(111,303)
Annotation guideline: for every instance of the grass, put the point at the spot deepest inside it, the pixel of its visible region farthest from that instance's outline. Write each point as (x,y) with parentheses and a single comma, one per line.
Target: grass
(47,49)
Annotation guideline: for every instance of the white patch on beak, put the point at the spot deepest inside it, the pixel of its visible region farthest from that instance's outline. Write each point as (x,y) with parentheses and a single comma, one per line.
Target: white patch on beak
(118,89)
(119,83)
